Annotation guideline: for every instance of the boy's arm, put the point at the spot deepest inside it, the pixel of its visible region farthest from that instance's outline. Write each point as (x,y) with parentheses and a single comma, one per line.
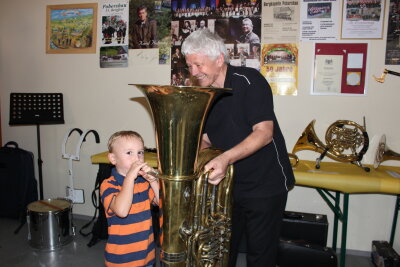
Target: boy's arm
(122,202)
(156,189)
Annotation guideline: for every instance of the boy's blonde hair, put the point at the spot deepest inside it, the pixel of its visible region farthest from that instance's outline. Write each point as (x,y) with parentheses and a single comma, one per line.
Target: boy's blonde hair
(122,134)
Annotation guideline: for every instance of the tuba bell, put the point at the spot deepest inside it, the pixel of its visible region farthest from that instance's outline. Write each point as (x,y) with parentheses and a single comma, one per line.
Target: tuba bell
(196,215)
(346,141)
(383,153)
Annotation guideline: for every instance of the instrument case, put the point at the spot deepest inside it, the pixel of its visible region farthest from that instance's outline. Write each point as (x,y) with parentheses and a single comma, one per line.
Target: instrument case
(383,255)
(18,186)
(309,227)
(302,254)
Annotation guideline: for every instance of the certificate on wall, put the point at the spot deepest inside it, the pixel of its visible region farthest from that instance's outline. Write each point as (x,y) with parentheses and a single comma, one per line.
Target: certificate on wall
(319,20)
(328,74)
(340,69)
(363,19)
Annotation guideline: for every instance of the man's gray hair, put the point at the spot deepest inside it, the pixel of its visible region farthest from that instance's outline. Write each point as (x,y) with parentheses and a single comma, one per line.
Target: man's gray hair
(206,43)
(247,21)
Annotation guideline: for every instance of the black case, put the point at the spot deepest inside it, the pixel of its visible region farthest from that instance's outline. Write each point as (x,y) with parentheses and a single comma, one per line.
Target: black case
(18,186)
(309,227)
(383,255)
(303,254)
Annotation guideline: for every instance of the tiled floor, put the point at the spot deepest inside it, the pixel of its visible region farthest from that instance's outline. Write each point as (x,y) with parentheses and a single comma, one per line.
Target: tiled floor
(16,252)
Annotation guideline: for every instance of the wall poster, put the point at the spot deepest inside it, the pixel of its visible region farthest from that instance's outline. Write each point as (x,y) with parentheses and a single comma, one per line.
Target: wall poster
(114,38)
(340,68)
(238,22)
(319,20)
(149,27)
(363,19)
(280,20)
(392,56)
(71,28)
(279,65)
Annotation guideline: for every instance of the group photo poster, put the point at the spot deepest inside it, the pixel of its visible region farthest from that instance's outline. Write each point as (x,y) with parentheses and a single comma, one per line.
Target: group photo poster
(280,20)
(237,22)
(71,29)
(392,56)
(340,68)
(114,38)
(150,27)
(319,20)
(279,65)
(363,19)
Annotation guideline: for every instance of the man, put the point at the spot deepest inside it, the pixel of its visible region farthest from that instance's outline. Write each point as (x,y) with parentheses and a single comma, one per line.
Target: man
(244,125)
(248,36)
(144,32)
(202,25)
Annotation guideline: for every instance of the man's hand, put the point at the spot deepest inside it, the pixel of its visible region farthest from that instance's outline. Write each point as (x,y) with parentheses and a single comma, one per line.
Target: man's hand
(217,168)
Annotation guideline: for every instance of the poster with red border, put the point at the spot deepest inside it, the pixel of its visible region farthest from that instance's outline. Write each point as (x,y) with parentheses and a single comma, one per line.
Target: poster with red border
(340,68)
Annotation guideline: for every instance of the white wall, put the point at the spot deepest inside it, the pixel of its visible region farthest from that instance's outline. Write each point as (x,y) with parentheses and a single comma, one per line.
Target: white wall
(101,99)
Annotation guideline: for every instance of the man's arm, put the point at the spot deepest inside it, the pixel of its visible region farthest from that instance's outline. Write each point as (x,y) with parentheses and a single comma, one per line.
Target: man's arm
(205,142)
(261,136)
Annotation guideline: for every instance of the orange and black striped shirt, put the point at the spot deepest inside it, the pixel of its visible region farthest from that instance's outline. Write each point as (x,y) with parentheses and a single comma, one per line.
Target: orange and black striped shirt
(130,239)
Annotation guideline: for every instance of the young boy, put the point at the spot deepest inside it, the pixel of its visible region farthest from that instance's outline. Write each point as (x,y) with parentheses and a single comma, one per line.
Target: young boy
(127,196)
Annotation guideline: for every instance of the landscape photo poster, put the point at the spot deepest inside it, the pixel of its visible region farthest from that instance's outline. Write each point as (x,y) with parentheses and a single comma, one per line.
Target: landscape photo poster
(71,28)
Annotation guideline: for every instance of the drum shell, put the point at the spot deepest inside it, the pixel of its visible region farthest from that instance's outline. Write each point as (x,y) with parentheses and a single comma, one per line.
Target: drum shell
(50,230)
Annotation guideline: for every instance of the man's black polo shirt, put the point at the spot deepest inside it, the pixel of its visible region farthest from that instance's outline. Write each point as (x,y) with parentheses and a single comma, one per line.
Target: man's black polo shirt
(268,171)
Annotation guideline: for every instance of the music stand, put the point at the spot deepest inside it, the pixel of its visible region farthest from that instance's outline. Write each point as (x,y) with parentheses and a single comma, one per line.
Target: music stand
(36,108)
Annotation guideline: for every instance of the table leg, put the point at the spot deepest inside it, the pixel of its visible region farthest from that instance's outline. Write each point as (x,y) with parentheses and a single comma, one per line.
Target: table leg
(344,229)
(396,213)
(336,221)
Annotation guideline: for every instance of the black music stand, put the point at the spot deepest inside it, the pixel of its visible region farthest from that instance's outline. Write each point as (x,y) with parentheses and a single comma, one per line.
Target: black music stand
(36,108)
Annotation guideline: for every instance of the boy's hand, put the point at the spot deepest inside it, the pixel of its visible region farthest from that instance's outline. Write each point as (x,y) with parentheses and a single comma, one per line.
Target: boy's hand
(148,173)
(135,169)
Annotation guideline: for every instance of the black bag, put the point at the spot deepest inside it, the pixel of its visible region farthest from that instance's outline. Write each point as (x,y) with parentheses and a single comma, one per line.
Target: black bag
(100,226)
(18,186)
(303,254)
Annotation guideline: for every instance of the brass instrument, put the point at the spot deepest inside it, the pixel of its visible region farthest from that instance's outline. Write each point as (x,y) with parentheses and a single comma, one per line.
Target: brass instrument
(196,215)
(383,153)
(294,159)
(383,75)
(346,141)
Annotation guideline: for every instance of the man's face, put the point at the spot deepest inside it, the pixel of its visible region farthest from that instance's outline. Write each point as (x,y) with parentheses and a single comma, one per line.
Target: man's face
(202,24)
(142,14)
(246,27)
(203,69)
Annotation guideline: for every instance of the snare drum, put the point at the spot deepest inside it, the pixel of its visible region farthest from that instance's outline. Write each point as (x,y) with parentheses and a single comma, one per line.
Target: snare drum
(50,223)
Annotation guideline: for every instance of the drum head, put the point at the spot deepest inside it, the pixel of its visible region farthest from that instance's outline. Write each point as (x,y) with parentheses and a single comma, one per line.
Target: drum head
(49,205)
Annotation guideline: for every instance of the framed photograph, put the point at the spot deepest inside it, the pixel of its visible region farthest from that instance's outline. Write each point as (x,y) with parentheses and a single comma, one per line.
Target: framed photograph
(71,29)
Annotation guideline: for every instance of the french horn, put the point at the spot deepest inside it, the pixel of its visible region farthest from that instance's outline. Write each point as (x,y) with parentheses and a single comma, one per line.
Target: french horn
(346,141)
(196,215)
(383,153)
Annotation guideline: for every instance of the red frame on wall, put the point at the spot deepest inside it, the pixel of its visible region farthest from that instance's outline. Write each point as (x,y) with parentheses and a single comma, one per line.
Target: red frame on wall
(344,49)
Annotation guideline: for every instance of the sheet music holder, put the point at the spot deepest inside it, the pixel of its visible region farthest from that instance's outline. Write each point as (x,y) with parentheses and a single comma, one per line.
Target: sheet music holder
(37,109)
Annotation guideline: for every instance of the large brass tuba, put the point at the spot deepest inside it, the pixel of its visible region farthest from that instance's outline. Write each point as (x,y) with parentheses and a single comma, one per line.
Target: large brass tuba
(346,141)
(383,153)
(196,215)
